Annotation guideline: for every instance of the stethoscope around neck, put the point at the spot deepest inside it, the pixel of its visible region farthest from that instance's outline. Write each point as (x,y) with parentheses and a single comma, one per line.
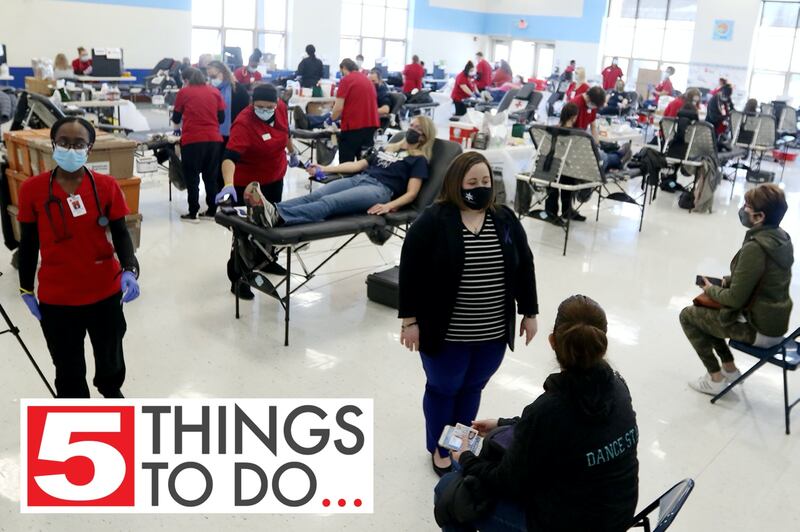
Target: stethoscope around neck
(102,219)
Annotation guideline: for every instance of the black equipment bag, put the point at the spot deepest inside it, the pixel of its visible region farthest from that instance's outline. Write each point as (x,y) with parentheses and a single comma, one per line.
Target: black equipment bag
(384,287)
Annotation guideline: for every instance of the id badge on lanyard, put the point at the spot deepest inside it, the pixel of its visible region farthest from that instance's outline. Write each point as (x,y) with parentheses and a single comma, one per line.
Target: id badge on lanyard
(76,206)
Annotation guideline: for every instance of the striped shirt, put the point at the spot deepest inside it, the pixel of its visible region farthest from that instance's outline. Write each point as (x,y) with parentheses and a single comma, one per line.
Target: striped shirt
(479,311)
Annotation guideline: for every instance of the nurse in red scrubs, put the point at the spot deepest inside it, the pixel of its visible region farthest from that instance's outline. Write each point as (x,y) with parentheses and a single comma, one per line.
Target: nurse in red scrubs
(256,152)
(66,215)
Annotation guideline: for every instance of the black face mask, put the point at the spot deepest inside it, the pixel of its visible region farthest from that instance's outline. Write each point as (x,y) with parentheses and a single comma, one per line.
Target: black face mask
(413,136)
(478,198)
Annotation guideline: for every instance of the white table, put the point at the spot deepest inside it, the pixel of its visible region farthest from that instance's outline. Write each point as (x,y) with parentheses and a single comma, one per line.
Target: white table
(512,160)
(104,79)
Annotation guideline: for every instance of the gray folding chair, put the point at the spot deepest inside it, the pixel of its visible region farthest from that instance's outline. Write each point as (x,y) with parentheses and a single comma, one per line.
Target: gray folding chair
(668,506)
(563,152)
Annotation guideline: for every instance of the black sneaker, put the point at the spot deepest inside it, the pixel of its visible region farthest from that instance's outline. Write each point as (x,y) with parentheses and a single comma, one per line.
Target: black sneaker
(575,216)
(207,216)
(191,218)
(244,291)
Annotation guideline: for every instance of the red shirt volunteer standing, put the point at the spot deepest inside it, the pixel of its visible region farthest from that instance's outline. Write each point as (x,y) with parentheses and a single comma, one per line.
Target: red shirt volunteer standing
(463,88)
(356,106)
(66,214)
(201,109)
(412,75)
(611,74)
(483,72)
(256,156)
(588,103)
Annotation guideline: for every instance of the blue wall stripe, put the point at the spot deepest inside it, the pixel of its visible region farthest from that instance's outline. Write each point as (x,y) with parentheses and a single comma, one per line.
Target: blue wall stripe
(586,28)
(181,5)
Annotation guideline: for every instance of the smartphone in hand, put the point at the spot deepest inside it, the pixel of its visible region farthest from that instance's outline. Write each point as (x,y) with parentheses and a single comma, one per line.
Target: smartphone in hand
(713,280)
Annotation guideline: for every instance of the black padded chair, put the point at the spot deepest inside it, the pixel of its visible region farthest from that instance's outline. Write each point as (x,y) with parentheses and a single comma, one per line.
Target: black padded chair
(395,109)
(289,238)
(502,105)
(528,114)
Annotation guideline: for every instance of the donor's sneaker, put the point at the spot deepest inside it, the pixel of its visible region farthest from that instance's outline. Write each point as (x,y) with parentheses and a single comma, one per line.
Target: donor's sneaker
(707,386)
(259,210)
(731,376)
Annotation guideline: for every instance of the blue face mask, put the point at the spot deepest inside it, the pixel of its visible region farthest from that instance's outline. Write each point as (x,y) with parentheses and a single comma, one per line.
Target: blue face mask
(264,114)
(70,160)
(216,82)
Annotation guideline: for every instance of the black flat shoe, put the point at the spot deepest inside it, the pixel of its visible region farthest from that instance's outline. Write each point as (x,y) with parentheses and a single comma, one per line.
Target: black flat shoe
(441,471)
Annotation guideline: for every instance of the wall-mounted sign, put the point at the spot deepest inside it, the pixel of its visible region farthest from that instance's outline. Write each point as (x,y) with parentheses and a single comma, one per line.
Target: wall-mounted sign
(723,30)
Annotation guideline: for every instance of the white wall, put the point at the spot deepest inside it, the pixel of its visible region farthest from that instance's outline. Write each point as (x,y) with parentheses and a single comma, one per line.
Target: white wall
(43,28)
(735,52)
(585,54)
(315,22)
(562,8)
(454,48)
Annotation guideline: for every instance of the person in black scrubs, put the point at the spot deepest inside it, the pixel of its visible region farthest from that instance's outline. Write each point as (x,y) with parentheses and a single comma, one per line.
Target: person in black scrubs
(84,279)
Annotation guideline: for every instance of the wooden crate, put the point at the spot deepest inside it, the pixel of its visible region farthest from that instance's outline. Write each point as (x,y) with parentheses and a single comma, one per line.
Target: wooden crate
(15,180)
(134,223)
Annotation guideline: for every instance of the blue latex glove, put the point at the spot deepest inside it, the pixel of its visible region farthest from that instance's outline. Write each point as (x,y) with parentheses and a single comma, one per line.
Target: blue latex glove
(226,191)
(328,121)
(129,286)
(33,305)
(294,160)
(176,132)
(318,173)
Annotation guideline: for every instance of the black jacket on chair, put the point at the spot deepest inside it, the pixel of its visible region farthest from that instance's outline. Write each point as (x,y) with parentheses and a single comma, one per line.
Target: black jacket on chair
(432,263)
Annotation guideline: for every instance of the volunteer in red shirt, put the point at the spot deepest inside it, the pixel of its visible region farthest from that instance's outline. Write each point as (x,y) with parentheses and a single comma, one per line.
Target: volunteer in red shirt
(355,105)
(256,152)
(665,87)
(65,215)
(611,74)
(413,74)
(588,103)
(502,74)
(579,86)
(248,74)
(201,109)
(693,95)
(483,76)
(82,65)
(464,88)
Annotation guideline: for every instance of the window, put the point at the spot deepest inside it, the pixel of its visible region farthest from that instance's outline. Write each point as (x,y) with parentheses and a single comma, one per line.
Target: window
(526,58)
(376,29)
(651,34)
(776,53)
(248,24)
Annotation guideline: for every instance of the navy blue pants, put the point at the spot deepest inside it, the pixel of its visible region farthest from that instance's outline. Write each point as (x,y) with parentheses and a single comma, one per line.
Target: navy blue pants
(456,376)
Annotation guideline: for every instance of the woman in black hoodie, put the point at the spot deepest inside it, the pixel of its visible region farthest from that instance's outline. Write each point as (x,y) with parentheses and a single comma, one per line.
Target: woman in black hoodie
(571,464)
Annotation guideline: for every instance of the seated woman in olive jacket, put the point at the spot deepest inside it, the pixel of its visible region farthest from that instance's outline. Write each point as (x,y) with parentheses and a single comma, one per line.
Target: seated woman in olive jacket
(754,299)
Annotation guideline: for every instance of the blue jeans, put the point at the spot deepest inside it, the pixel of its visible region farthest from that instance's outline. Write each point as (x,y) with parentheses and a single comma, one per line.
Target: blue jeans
(610,160)
(505,517)
(456,377)
(349,195)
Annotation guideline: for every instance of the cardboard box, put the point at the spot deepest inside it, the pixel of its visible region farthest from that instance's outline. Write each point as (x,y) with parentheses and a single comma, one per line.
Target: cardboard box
(646,81)
(45,87)
(130,188)
(110,155)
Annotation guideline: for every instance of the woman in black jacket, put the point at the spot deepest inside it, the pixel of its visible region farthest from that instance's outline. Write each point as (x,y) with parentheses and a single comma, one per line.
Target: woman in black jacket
(571,464)
(310,69)
(464,263)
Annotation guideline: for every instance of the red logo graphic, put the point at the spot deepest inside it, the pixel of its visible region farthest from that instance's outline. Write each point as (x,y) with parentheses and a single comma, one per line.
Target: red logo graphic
(80,456)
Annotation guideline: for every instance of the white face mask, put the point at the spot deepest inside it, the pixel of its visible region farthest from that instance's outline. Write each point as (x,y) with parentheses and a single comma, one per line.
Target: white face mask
(85,57)
(359,63)
(472,72)
(614,62)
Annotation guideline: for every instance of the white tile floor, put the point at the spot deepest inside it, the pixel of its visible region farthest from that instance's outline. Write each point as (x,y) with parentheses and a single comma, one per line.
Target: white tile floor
(183,341)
